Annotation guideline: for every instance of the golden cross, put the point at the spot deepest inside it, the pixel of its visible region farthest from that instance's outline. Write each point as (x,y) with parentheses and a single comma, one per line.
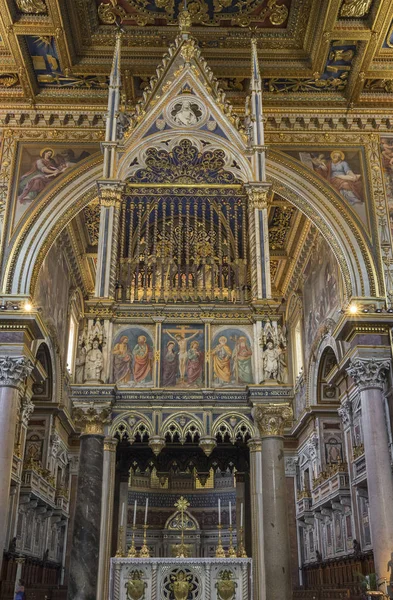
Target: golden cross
(182,330)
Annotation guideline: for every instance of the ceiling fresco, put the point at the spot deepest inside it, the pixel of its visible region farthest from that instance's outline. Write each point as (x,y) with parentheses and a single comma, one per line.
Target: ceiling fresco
(332,53)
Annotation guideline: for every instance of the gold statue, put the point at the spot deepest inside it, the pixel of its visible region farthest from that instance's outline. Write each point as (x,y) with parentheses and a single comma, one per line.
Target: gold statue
(180,585)
(135,587)
(226,587)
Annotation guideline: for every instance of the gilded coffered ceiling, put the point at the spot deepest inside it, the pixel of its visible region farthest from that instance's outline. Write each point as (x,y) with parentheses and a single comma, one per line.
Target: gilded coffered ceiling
(313,53)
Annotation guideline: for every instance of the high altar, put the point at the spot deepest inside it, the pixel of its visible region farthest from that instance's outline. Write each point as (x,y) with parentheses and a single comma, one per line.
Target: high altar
(180,579)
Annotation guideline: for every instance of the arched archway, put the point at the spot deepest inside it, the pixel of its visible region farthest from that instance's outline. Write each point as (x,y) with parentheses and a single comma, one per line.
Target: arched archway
(293,182)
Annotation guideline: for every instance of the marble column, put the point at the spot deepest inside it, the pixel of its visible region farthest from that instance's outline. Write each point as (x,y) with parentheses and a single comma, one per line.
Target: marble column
(258,198)
(271,419)
(369,375)
(13,372)
(110,198)
(257,537)
(82,584)
(108,488)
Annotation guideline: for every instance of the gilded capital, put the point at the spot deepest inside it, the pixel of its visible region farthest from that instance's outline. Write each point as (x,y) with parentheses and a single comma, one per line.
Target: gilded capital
(369,372)
(110,193)
(14,370)
(110,444)
(91,420)
(259,197)
(255,445)
(272,418)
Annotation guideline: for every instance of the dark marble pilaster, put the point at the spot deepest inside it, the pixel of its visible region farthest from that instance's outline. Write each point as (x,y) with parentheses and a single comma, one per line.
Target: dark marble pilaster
(82,583)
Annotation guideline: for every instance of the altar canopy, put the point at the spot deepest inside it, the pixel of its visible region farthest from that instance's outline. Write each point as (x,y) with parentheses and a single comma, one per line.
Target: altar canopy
(181,579)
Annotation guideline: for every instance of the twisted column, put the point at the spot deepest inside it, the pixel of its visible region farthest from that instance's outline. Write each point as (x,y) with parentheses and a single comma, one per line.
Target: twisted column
(13,372)
(110,197)
(258,197)
(271,420)
(369,375)
(86,536)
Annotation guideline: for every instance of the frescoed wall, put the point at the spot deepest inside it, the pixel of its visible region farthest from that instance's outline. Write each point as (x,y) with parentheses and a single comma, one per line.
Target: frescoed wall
(182,356)
(53,291)
(39,165)
(133,357)
(342,168)
(232,357)
(321,290)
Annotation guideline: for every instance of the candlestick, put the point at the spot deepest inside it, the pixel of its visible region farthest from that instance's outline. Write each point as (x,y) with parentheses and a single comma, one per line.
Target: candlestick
(132,551)
(122,515)
(230,513)
(220,552)
(241,551)
(231,549)
(119,551)
(144,552)
(219,511)
(134,521)
(146,507)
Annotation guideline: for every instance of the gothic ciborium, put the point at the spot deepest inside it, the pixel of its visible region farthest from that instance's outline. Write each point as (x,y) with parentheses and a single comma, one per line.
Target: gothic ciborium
(226,587)
(135,587)
(181,585)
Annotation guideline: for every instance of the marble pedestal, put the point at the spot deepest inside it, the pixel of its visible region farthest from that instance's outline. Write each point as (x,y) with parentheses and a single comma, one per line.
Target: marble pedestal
(157,575)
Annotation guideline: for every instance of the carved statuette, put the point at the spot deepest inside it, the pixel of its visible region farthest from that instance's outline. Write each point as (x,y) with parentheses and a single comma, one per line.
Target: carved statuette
(272,418)
(274,344)
(355,8)
(368,372)
(135,587)
(94,363)
(14,370)
(226,587)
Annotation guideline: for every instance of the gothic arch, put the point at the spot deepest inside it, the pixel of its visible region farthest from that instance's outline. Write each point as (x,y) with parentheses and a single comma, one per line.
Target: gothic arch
(293,182)
(327,344)
(131,425)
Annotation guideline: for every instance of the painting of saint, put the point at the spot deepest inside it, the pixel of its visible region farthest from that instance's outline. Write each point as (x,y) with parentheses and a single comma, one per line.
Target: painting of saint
(142,360)
(232,359)
(132,358)
(321,292)
(342,170)
(39,166)
(387,167)
(182,356)
(122,361)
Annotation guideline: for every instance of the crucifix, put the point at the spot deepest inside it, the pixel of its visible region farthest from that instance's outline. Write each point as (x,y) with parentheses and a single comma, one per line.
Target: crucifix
(180,338)
(182,504)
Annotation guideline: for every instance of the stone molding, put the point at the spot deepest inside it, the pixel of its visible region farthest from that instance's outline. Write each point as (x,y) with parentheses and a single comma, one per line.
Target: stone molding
(14,370)
(345,412)
(369,372)
(92,419)
(27,410)
(272,418)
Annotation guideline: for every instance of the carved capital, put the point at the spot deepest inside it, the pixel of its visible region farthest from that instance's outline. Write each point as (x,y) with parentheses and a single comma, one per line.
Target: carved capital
(110,193)
(369,372)
(272,418)
(110,444)
(259,196)
(14,370)
(255,445)
(26,410)
(92,419)
(345,412)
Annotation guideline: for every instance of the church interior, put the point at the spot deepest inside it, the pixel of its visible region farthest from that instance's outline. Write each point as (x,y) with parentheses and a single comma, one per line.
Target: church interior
(196,303)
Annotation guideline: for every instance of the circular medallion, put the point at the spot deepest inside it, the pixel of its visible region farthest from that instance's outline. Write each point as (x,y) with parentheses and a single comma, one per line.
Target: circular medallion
(186,111)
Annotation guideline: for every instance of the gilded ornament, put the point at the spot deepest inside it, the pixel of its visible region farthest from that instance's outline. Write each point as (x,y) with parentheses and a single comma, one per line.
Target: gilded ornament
(279,12)
(8,80)
(272,418)
(111,13)
(181,585)
(226,587)
(135,587)
(355,8)
(32,7)
(259,197)
(92,420)
(188,50)
(185,21)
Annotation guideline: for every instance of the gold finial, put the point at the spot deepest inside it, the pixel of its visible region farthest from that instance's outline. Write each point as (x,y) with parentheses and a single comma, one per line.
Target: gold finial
(185,20)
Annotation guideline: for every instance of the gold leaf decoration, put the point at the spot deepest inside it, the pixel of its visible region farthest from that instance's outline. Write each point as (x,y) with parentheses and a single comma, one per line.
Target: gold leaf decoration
(8,80)
(32,7)
(355,8)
